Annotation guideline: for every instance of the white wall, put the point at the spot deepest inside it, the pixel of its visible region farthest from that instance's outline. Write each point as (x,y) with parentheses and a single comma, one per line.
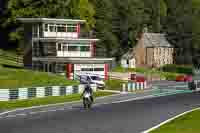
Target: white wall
(61,34)
(132,63)
(124,63)
(78,67)
(73,54)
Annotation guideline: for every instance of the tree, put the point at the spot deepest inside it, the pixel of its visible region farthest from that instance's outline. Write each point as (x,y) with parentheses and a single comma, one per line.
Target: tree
(178,26)
(81,9)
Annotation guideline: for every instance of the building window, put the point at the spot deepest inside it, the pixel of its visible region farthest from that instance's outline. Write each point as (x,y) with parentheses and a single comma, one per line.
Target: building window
(98,69)
(60,67)
(37,65)
(35,30)
(86,69)
(52,28)
(61,28)
(65,48)
(59,46)
(46,27)
(73,48)
(36,49)
(71,28)
(84,48)
(168,51)
(160,51)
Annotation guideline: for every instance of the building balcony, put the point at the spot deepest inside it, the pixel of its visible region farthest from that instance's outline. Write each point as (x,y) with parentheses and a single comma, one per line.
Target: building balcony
(70,35)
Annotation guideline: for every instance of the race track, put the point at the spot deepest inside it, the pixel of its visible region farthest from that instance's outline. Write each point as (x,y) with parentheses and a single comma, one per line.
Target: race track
(126,117)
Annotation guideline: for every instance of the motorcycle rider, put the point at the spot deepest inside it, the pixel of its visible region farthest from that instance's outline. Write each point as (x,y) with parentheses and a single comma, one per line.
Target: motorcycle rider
(88,89)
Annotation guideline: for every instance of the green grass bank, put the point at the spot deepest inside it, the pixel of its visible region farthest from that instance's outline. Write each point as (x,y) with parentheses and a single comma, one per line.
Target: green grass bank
(12,74)
(188,123)
(19,78)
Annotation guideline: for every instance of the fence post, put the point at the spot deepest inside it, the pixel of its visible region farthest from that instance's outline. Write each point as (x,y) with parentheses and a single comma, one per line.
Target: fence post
(129,86)
(23,93)
(123,87)
(137,85)
(133,86)
(145,84)
(4,95)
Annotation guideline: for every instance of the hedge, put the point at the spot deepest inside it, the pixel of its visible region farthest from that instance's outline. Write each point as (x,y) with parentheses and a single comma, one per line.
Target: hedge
(177,69)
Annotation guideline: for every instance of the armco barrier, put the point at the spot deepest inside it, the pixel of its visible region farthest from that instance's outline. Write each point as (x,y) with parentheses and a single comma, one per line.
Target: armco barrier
(39,92)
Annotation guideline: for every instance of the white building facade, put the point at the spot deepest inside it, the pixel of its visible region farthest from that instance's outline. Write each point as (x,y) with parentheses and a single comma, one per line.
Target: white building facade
(55,45)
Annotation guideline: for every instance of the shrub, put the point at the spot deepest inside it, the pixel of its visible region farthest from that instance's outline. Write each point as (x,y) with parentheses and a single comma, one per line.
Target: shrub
(177,69)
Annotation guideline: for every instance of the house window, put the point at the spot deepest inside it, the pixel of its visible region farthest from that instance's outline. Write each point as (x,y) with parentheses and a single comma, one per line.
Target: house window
(127,61)
(160,51)
(59,46)
(169,51)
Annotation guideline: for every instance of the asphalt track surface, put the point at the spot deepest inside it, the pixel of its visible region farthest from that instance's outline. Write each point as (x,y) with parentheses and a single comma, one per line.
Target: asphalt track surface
(127,117)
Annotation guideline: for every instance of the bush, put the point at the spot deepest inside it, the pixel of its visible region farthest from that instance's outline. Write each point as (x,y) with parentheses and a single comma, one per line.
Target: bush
(170,77)
(177,69)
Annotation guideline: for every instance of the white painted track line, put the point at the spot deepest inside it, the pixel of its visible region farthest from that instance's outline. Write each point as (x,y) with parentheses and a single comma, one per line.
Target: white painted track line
(10,116)
(21,114)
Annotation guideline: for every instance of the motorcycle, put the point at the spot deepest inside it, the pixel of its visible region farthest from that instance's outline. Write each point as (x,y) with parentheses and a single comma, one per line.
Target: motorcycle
(87,101)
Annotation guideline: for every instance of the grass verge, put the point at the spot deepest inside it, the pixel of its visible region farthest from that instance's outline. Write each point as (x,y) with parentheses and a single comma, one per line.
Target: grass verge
(20,78)
(44,101)
(165,75)
(114,84)
(188,123)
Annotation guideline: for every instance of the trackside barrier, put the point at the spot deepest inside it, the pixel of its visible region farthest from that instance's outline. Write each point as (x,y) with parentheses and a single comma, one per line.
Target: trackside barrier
(40,92)
(134,86)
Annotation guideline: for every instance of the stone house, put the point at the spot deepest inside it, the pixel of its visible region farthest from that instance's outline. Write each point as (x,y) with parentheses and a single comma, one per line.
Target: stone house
(153,50)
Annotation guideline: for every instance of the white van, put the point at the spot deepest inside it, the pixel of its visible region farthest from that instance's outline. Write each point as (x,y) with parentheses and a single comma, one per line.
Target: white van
(92,79)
